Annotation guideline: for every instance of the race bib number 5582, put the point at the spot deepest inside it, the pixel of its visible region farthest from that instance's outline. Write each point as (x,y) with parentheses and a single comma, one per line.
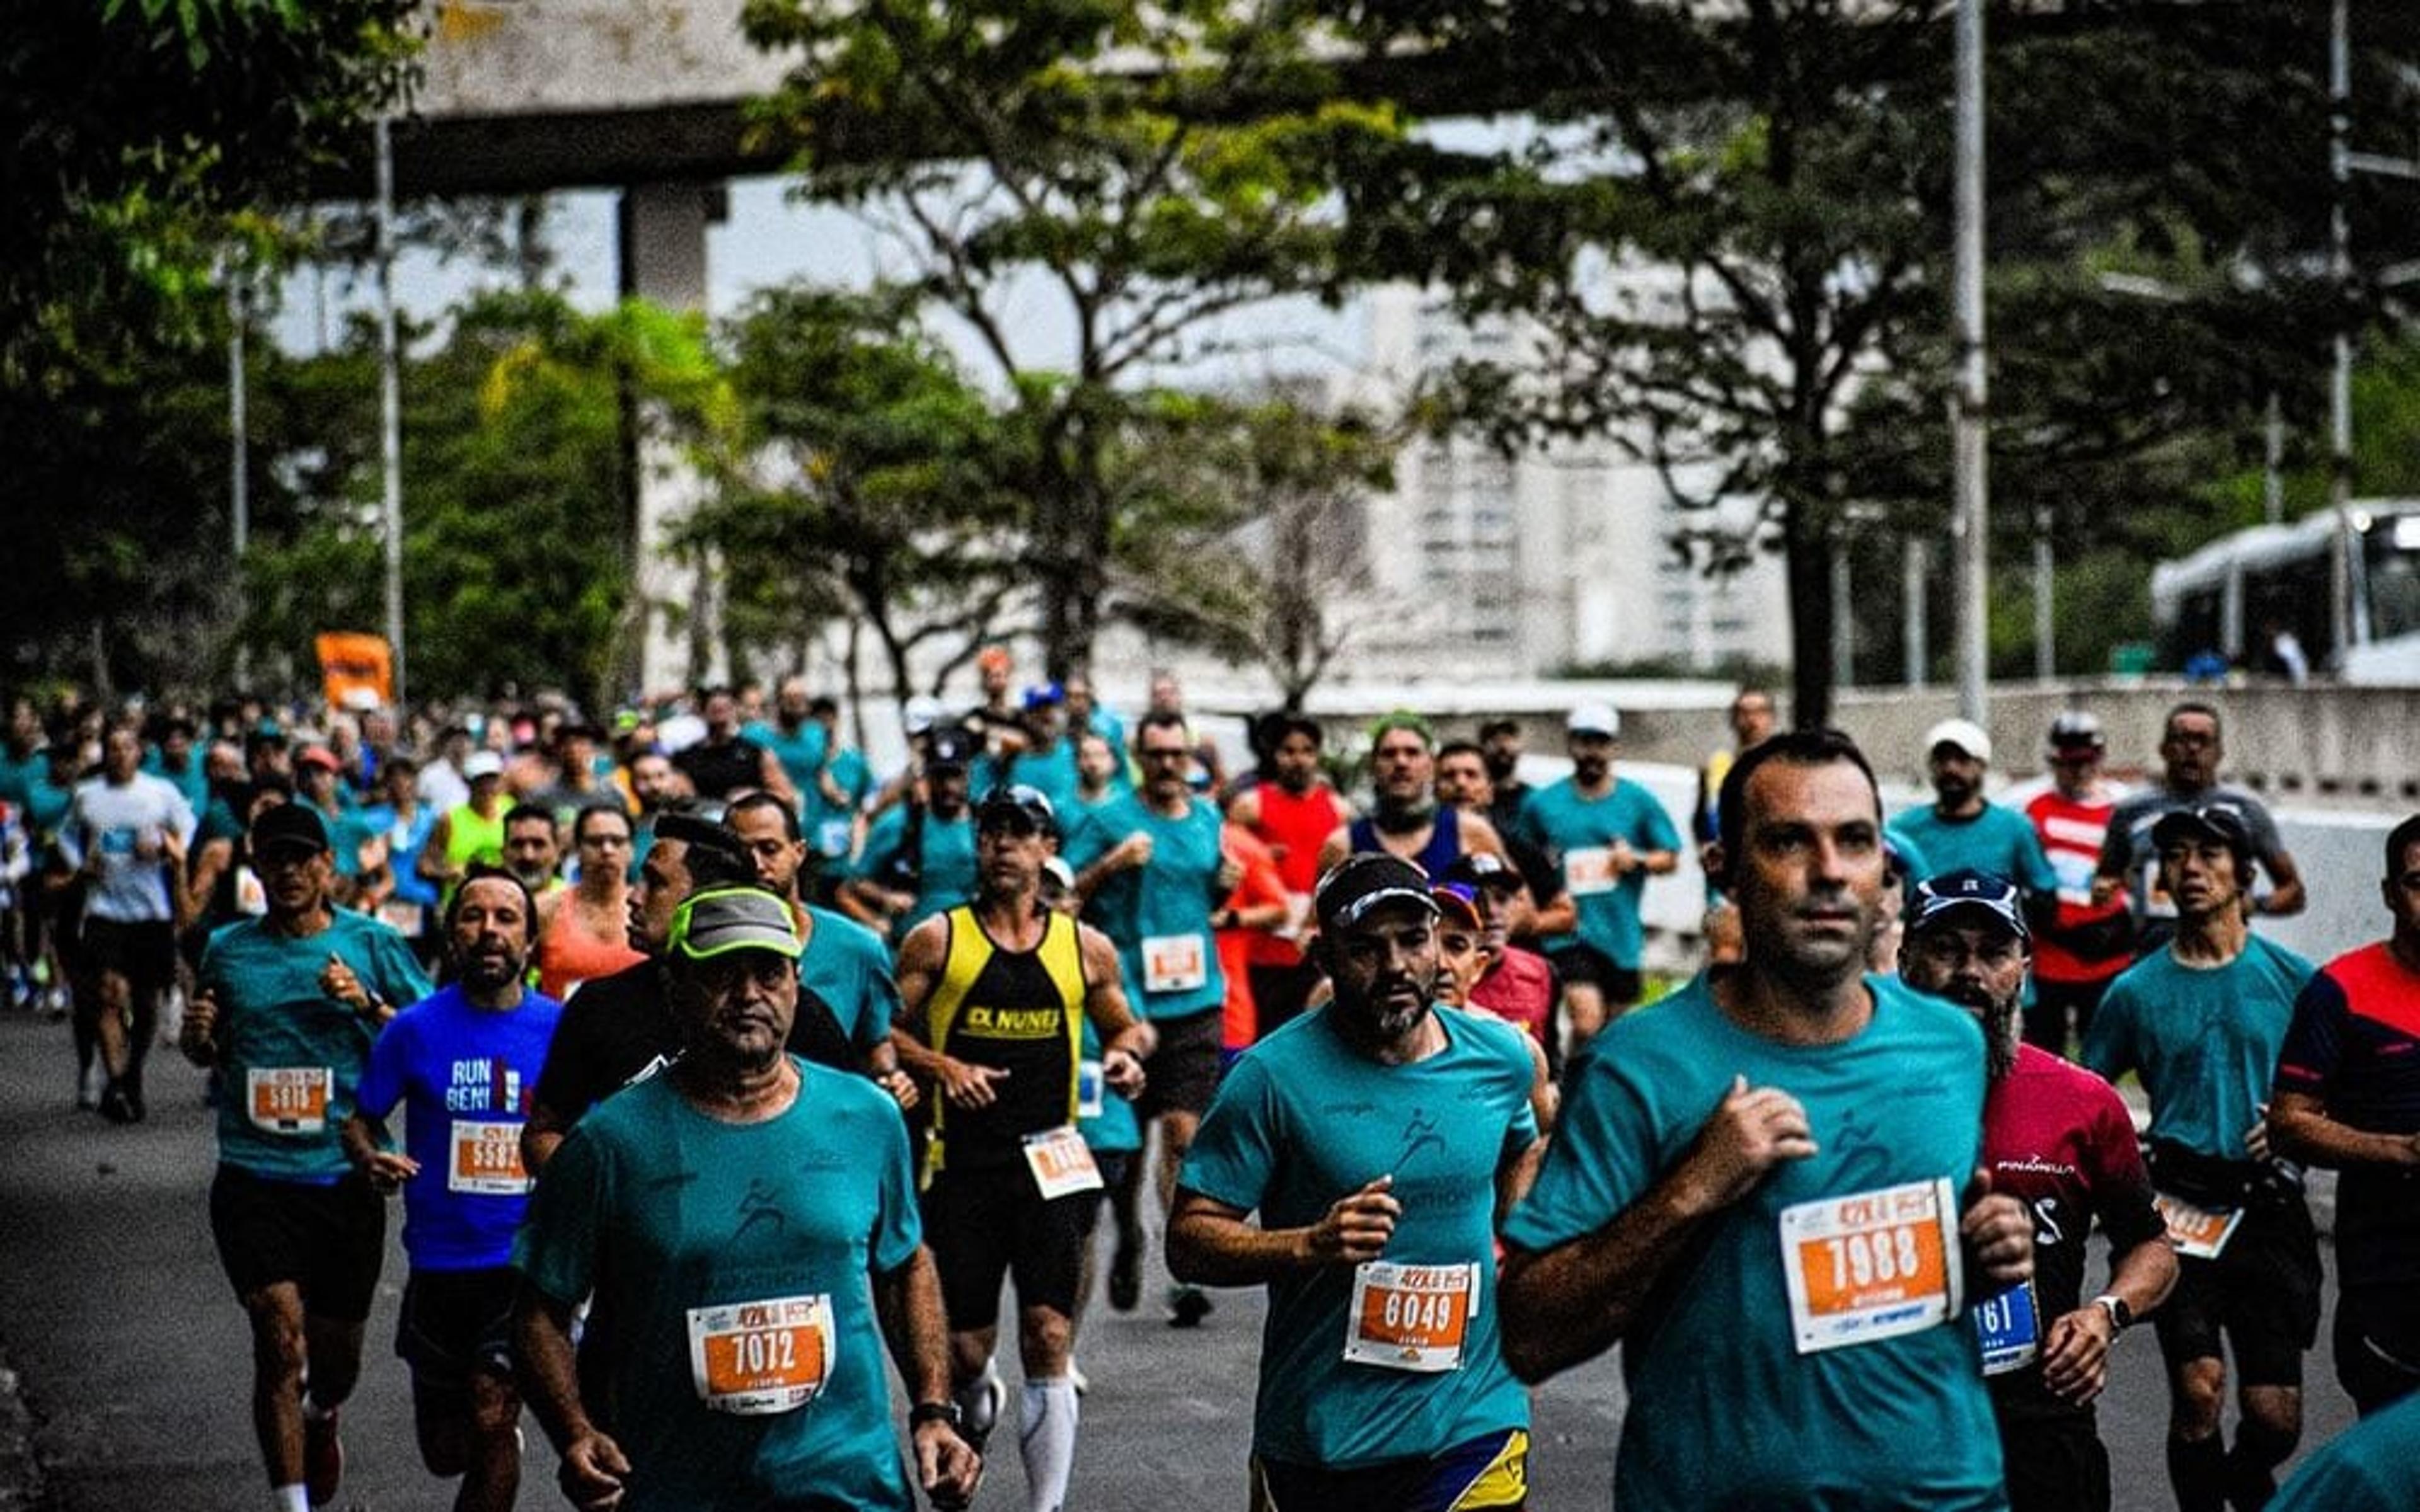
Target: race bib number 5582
(1872,1265)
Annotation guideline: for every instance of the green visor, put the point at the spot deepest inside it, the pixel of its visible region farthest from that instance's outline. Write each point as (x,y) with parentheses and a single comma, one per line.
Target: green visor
(722,920)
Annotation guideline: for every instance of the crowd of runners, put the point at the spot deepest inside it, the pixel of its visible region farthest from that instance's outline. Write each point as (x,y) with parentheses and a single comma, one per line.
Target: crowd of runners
(710,1067)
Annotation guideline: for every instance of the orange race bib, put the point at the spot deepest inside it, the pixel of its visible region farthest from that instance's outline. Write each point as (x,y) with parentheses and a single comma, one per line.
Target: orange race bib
(2200,1232)
(1590,870)
(487,1159)
(755,1357)
(1410,1316)
(1872,1265)
(1174,962)
(1061,1163)
(289,1099)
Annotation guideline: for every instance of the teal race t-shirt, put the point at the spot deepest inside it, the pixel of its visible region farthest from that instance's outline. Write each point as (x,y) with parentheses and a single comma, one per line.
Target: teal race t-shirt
(845,965)
(1771,1371)
(1576,832)
(948,850)
(1303,1120)
(1159,916)
(292,1069)
(2205,1042)
(1998,840)
(735,1261)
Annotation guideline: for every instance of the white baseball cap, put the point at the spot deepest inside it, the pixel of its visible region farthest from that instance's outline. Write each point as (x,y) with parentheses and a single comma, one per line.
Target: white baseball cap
(1594,719)
(481,764)
(1966,735)
(922,713)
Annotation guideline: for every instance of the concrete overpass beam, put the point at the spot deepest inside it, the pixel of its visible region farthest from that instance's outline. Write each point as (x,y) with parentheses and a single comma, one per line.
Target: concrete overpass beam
(663,255)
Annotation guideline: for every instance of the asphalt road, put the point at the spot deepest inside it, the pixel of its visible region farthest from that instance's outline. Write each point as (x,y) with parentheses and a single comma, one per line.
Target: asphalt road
(133,1358)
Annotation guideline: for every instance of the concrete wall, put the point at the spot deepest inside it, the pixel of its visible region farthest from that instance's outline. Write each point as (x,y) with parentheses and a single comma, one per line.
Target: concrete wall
(2324,746)
(522,57)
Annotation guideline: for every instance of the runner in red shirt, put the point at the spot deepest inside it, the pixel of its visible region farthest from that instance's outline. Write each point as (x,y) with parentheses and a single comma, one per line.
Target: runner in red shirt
(2086,947)
(1292,811)
(2058,1140)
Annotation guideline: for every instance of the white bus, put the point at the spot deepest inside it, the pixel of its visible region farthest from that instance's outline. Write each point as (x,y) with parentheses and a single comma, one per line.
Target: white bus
(2232,595)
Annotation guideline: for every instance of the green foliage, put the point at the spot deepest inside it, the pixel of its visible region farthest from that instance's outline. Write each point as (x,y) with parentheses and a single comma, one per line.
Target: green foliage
(869,479)
(516,510)
(136,139)
(1154,166)
(1731,235)
(1253,539)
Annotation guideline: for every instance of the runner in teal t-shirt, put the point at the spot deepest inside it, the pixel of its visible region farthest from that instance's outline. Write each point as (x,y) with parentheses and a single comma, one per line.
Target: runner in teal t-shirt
(931,845)
(1606,834)
(1756,1187)
(749,1221)
(1376,1137)
(285,1009)
(796,739)
(1155,903)
(293,1047)
(2202,1019)
(2203,1038)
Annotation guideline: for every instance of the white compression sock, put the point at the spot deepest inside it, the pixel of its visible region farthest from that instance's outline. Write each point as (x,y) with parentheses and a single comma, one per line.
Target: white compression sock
(290,1498)
(1047,1437)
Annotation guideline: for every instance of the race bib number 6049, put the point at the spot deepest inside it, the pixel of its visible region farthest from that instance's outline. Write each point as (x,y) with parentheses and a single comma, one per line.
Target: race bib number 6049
(1872,1265)
(1410,1316)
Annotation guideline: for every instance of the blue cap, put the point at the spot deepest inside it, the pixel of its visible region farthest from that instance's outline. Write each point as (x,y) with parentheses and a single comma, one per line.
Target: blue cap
(1944,894)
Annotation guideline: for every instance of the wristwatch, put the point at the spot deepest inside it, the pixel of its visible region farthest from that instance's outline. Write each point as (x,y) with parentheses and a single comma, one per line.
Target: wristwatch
(923,1413)
(2120,1315)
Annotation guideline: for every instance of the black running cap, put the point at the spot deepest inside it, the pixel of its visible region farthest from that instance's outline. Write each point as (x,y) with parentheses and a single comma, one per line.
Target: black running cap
(289,826)
(1359,883)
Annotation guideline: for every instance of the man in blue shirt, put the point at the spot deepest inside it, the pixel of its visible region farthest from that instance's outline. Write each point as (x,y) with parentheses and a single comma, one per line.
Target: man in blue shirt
(462,1063)
(1151,868)
(1378,1138)
(1755,1186)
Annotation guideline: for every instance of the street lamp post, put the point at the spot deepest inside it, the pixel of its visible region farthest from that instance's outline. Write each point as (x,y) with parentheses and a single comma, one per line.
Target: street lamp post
(1972,450)
(390,409)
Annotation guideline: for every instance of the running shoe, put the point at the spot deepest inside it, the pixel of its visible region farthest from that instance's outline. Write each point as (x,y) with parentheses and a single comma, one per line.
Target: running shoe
(1125,1276)
(1188,1306)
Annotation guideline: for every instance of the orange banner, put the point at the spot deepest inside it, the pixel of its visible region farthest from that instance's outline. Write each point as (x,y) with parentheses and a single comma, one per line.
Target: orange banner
(351,663)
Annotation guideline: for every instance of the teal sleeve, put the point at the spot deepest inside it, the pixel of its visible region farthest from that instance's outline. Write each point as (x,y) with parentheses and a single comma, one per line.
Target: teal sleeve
(2107,1051)
(1597,1164)
(383,1075)
(556,1248)
(1661,833)
(397,974)
(898,1229)
(880,1005)
(881,845)
(1233,1156)
(2039,879)
(1087,843)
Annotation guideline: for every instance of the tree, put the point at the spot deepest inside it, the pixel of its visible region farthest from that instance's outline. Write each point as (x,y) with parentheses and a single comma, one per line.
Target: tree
(1269,576)
(518,542)
(1145,169)
(869,473)
(136,139)
(1730,232)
